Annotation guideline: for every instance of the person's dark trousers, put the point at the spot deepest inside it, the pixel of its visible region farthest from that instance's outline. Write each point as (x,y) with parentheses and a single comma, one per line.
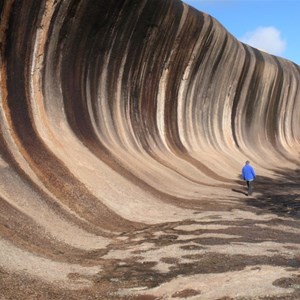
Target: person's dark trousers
(249,185)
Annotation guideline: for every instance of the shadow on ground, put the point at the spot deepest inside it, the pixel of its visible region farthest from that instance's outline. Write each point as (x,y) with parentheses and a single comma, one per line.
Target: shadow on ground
(280,196)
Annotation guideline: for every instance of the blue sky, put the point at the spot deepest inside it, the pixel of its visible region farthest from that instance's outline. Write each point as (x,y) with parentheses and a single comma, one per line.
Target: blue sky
(269,25)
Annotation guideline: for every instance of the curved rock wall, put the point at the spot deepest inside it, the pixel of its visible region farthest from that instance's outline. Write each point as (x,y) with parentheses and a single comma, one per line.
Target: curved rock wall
(115,114)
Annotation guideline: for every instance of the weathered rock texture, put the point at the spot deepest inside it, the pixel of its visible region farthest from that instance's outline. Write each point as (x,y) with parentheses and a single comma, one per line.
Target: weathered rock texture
(124,122)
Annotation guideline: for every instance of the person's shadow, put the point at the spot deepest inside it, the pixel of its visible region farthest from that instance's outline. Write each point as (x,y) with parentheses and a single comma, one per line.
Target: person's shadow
(240,183)
(240,192)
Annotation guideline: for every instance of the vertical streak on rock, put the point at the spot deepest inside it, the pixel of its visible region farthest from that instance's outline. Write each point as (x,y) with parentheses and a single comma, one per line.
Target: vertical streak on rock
(24,22)
(5,10)
(241,81)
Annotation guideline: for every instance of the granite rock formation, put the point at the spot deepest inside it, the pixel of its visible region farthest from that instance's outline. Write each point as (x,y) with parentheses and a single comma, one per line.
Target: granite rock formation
(120,116)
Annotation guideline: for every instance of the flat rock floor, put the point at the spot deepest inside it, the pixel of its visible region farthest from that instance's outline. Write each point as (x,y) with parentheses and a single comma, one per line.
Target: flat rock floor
(246,249)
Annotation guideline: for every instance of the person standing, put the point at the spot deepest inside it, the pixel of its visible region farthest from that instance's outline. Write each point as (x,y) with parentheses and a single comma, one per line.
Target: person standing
(248,175)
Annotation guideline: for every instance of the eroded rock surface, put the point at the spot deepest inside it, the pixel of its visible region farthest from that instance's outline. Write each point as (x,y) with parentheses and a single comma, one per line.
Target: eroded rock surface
(123,129)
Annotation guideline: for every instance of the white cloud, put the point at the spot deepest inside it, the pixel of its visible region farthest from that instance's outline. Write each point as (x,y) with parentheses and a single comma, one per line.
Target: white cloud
(267,39)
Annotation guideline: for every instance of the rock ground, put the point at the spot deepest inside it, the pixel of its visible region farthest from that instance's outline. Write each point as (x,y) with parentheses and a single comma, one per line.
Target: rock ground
(246,250)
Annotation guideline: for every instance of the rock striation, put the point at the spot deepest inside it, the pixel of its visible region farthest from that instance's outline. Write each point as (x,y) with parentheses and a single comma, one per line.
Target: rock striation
(116,115)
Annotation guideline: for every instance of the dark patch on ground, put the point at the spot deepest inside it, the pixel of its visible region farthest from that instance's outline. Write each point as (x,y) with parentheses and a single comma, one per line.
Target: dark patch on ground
(186,293)
(169,260)
(192,247)
(289,283)
(280,196)
(221,263)
(292,282)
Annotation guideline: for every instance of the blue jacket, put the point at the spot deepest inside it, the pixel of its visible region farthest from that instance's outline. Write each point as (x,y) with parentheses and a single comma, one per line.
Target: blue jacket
(248,173)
